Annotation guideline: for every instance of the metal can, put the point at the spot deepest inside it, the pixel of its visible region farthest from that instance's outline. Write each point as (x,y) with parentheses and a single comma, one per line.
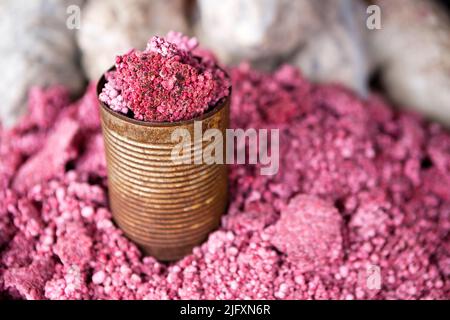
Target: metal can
(166,208)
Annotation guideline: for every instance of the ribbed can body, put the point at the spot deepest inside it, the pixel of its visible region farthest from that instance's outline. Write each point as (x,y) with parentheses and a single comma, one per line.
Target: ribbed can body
(165,207)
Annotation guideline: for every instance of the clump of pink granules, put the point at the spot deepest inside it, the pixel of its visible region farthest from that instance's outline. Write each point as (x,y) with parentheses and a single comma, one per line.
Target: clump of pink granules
(171,80)
(360,208)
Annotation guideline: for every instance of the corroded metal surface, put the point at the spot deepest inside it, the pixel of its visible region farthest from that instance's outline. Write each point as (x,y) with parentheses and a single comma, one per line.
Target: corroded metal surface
(166,208)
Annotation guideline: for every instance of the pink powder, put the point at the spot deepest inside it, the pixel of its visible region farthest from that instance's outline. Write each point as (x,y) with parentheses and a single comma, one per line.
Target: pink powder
(360,187)
(166,82)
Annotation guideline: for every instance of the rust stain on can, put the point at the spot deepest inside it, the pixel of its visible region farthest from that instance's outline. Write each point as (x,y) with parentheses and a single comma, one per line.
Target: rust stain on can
(166,208)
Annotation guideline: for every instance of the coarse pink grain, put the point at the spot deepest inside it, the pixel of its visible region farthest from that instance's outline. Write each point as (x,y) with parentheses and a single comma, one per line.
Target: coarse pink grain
(360,208)
(167,82)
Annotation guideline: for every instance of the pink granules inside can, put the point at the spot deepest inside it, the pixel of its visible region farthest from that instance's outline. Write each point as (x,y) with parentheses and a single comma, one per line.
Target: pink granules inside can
(360,208)
(169,81)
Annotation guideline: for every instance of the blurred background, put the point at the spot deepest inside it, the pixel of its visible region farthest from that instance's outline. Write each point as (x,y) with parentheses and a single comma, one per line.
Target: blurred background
(400,48)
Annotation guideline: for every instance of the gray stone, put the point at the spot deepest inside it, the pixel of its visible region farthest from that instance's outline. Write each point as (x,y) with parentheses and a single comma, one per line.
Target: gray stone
(338,52)
(255,30)
(413,50)
(36,48)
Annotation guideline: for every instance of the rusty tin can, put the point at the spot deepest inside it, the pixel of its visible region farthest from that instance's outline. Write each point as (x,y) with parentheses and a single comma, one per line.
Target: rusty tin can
(164,207)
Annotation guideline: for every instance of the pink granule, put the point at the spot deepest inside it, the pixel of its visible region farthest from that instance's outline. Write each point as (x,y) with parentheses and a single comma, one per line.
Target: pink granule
(169,81)
(361,189)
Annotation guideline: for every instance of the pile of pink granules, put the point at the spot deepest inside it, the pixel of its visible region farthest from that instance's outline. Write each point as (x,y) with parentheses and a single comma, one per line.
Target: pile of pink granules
(171,80)
(359,209)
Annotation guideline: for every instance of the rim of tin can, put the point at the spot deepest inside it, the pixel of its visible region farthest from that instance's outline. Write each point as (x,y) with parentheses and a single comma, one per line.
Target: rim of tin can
(215,109)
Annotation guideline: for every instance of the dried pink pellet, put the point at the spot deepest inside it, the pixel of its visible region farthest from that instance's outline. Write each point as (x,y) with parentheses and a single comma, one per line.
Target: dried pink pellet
(98,277)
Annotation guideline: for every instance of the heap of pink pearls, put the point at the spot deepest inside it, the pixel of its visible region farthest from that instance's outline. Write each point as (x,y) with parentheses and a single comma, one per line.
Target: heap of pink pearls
(169,81)
(359,185)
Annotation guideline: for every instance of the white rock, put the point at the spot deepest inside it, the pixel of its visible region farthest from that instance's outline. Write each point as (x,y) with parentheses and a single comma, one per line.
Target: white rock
(36,48)
(112,27)
(413,49)
(255,29)
(338,52)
